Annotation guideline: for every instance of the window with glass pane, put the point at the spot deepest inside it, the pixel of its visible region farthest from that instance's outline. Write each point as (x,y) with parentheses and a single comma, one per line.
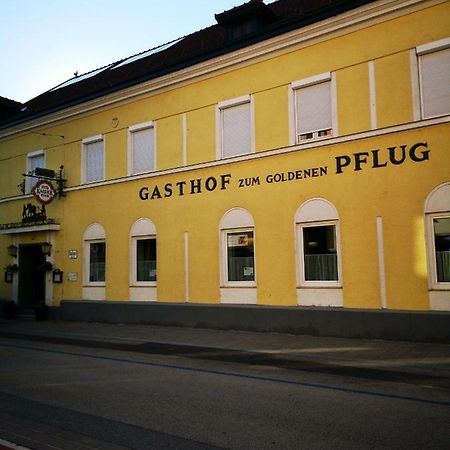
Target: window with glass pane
(313,111)
(34,162)
(146,259)
(142,142)
(441,228)
(236,130)
(240,256)
(435,83)
(320,253)
(94,161)
(97,258)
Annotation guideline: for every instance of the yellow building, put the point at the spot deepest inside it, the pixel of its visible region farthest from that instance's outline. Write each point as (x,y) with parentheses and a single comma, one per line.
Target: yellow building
(292,155)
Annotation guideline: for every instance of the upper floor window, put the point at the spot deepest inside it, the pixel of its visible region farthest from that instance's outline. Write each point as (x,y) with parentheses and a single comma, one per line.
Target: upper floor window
(92,159)
(313,106)
(235,127)
(34,160)
(434,76)
(141,145)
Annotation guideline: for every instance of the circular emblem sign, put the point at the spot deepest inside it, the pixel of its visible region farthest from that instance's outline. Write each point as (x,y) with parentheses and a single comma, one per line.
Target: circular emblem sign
(43,191)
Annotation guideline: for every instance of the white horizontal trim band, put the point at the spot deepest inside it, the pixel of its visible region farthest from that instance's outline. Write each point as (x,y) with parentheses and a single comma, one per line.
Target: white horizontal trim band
(294,148)
(264,154)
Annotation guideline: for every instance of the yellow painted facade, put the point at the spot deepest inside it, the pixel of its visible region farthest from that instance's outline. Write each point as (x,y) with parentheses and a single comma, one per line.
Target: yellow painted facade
(376,109)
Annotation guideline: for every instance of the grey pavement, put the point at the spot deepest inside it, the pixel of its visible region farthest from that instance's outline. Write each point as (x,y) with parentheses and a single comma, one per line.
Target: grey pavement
(380,359)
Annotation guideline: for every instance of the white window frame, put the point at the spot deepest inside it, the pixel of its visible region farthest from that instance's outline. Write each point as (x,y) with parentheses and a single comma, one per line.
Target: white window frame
(30,182)
(87,253)
(434,283)
(422,50)
(306,82)
(133,274)
(224,257)
(301,256)
(437,205)
(221,106)
(131,130)
(94,233)
(84,143)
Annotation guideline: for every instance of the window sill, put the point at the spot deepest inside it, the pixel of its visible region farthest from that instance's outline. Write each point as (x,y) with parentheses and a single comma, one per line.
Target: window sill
(238,285)
(320,286)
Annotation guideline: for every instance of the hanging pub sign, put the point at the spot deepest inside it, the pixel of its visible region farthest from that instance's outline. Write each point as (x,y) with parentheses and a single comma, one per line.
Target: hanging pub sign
(44,192)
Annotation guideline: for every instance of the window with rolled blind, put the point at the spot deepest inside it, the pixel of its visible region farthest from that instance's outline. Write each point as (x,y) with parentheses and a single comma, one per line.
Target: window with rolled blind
(235,127)
(142,145)
(435,83)
(93,154)
(34,160)
(313,111)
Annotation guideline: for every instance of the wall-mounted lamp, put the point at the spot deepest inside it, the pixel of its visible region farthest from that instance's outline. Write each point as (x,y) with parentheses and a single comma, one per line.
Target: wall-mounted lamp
(8,277)
(46,248)
(12,251)
(58,276)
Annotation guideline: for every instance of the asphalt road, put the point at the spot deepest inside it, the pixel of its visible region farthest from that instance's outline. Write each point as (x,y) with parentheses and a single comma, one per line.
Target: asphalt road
(148,400)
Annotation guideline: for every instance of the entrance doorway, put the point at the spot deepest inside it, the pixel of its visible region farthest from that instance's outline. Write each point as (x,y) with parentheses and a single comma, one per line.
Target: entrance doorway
(31,276)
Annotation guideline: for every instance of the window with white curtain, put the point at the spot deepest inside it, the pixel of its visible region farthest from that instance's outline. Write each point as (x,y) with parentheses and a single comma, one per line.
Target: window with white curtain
(238,261)
(441,234)
(434,71)
(142,148)
(143,246)
(240,255)
(319,252)
(34,160)
(93,159)
(437,226)
(94,256)
(145,259)
(318,244)
(97,261)
(313,108)
(235,127)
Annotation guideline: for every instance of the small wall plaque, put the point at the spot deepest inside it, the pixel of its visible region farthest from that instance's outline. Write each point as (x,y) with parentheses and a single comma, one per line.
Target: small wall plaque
(72,276)
(73,254)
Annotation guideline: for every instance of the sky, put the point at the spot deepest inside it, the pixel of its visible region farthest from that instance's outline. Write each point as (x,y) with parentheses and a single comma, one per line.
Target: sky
(43,42)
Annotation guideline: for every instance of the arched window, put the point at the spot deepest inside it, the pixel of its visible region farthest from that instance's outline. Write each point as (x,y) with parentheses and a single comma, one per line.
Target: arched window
(143,260)
(94,262)
(437,216)
(238,250)
(318,250)
(143,253)
(94,251)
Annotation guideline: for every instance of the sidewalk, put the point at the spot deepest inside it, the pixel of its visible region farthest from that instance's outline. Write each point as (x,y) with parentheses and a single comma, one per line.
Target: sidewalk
(422,363)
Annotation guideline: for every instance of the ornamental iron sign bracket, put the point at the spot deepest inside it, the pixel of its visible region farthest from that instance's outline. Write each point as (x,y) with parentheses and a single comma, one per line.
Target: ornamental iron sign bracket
(47,175)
